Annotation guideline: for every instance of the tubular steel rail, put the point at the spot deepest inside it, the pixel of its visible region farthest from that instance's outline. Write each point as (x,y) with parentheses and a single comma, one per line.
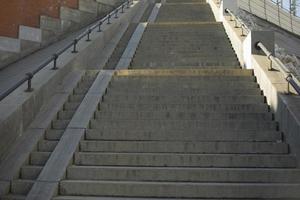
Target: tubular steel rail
(238,22)
(289,77)
(97,25)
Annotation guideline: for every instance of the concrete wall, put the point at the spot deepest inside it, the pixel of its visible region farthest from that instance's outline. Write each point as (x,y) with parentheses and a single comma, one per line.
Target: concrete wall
(273,84)
(14,13)
(269,11)
(20,108)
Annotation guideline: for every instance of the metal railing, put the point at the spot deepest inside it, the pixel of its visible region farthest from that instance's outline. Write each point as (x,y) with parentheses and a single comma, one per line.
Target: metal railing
(238,22)
(289,77)
(96,25)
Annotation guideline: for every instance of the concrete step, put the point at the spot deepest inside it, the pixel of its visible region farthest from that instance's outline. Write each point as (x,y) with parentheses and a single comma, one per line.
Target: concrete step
(134,198)
(174,99)
(185,160)
(213,55)
(30,172)
(13,197)
(184,124)
(205,64)
(184,147)
(184,174)
(65,115)
(76,98)
(179,190)
(47,145)
(224,85)
(54,135)
(176,135)
(196,50)
(232,108)
(185,89)
(21,187)
(71,106)
(60,124)
(173,115)
(39,158)
(182,80)
(80,90)
(184,73)
(213,91)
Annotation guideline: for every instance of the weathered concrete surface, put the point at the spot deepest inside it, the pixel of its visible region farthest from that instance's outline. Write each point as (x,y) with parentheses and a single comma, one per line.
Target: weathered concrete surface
(133,43)
(20,151)
(53,172)
(273,84)
(20,108)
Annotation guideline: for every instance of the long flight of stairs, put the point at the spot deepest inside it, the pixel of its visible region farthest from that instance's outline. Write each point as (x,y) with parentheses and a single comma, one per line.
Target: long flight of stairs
(186,122)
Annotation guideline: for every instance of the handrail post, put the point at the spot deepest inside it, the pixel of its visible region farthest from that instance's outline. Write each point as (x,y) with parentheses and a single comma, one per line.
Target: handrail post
(243,33)
(122,9)
(269,55)
(116,14)
(29,86)
(236,24)
(74,46)
(88,35)
(128,3)
(288,78)
(55,57)
(108,19)
(99,26)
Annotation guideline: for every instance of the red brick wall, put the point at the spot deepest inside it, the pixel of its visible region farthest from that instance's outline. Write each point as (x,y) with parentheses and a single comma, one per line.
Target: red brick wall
(27,12)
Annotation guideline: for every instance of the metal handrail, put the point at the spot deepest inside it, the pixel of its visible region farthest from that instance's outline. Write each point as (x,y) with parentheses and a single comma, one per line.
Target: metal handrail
(238,21)
(30,75)
(289,77)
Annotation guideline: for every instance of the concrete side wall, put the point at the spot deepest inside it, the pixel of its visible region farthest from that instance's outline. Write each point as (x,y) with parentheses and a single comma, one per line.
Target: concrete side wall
(20,108)
(273,84)
(270,12)
(14,13)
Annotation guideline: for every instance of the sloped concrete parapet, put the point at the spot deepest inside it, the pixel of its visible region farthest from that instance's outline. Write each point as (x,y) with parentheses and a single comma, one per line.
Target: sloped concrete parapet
(273,83)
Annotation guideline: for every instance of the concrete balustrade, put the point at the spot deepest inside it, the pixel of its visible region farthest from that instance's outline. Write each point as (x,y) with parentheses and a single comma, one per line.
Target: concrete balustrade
(272,83)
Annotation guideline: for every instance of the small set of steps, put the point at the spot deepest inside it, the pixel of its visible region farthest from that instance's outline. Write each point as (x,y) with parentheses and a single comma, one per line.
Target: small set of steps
(199,134)
(38,158)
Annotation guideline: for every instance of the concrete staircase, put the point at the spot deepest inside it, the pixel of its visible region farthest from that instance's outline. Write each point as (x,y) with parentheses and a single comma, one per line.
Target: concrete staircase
(31,169)
(185,123)
(198,133)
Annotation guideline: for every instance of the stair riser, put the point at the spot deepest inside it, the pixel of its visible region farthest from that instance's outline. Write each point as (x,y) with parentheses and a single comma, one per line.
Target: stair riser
(30,173)
(183,125)
(21,187)
(184,175)
(211,108)
(184,160)
(108,134)
(47,146)
(184,147)
(39,159)
(116,99)
(181,116)
(179,190)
